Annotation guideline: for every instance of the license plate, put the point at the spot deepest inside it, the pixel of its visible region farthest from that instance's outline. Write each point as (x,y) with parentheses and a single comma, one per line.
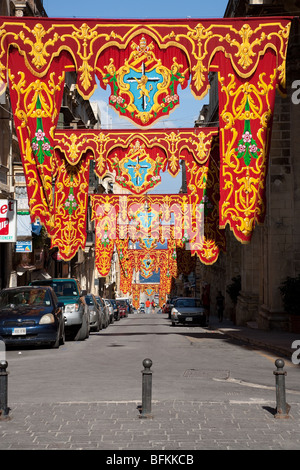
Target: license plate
(19,331)
(188,319)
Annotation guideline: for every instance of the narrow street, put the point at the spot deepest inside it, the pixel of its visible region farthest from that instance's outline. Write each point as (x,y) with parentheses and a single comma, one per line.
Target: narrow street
(189,363)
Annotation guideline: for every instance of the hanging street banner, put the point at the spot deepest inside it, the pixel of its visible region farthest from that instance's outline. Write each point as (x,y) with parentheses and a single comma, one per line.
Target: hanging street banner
(145,64)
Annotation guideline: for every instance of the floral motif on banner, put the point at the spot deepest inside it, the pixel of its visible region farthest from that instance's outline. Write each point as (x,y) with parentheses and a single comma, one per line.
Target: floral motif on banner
(247,110)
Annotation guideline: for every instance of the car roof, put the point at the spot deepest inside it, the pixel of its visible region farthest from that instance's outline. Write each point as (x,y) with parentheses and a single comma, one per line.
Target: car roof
(27,287)
(190,298)
(55,279)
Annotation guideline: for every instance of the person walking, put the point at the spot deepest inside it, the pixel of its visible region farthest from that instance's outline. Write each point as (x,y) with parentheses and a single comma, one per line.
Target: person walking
(220,305)
(148,306)
(153,306)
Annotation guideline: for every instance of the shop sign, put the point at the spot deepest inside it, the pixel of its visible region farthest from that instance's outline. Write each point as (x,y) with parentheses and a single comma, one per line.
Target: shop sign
(24,246)
(8,220)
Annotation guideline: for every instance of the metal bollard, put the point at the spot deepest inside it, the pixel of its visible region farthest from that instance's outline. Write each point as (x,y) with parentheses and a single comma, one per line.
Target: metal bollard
(146,389)
(282,408)
(4,410)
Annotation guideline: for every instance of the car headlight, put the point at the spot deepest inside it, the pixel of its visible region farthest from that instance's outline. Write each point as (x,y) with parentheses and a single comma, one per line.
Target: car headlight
(174,312)
(47,319)
(71,308)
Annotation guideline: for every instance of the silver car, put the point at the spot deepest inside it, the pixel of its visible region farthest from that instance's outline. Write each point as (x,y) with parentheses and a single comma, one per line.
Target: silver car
(188,310)
(76,313)
(94,311)
(110,308)
(104,311)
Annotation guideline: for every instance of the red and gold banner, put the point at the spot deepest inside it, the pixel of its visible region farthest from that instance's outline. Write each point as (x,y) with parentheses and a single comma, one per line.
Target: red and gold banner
(138,218)
(246,113)
(148,289)
(109,148)
(160,53)
(146,262)
(203,190)
(36,104)
(137,157)
(145,64)
(70,202)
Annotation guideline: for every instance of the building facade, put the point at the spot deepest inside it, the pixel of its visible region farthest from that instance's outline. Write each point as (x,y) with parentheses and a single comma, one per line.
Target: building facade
(31,257)
(256,271)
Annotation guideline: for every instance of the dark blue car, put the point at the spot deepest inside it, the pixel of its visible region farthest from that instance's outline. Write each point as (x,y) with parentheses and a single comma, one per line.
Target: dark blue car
(31,316)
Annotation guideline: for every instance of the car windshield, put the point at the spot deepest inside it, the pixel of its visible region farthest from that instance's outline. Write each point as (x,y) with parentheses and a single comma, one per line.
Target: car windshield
(99,301)
(65,289)
(28,297)
(89,300)
(189,303)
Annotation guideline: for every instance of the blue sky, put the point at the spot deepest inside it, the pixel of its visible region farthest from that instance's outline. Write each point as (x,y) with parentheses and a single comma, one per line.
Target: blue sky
(135,9)
(188,111)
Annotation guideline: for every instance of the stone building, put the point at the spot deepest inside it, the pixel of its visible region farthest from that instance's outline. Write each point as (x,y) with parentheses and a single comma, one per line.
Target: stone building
(17,268)
(274,252)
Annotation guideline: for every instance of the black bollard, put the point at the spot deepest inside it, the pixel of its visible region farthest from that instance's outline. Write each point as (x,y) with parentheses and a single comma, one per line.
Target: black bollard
(282,408)
(4,410)
(146,389)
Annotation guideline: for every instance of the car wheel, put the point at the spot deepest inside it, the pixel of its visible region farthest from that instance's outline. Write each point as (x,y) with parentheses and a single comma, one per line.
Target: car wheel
(173,323)
(97,327)
(62,337)
(82,333)
(55,345)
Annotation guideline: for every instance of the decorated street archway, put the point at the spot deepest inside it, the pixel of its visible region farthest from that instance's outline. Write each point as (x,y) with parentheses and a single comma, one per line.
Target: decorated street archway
(145,64)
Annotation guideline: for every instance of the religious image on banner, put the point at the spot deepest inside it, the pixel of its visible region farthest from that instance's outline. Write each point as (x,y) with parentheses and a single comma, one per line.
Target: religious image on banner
(137,168)
(143,87)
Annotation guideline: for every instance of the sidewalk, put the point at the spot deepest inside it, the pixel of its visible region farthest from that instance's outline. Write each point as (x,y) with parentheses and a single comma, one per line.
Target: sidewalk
(176,426)
(279,342)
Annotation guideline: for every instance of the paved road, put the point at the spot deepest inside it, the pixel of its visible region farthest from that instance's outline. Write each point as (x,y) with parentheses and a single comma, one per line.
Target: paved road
(209,392)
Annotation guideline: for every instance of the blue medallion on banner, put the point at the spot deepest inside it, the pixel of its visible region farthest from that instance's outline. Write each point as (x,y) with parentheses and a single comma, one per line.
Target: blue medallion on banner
(143,86)
(137,171)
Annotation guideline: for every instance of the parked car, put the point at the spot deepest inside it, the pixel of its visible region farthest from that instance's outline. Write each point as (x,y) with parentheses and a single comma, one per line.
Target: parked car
(124,301)
(104,310)
(122,306)
(95,313)
(188,310)
(116,310)
(31,315)
(76,314)
(110,310)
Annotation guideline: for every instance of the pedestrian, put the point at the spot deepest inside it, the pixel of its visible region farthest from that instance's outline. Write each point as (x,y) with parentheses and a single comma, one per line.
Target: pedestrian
(220,305)
(153,306)
(148,306)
